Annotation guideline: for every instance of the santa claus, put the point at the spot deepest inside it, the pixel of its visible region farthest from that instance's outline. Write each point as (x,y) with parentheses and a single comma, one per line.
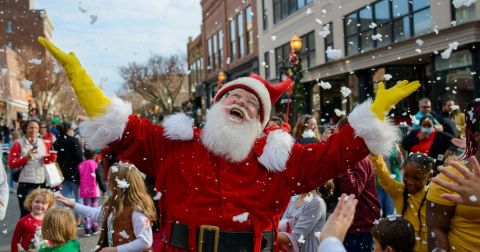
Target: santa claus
(224,187)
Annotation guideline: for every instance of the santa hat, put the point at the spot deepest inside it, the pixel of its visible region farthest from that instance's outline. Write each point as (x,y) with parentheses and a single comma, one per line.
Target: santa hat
(266,93)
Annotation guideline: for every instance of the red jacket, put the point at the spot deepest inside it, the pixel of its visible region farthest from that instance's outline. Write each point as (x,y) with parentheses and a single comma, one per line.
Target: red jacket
(199,187)
(360,181)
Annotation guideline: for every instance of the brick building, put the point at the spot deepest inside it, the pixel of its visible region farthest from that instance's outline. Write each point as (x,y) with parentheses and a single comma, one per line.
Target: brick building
(20,25)
(229,43)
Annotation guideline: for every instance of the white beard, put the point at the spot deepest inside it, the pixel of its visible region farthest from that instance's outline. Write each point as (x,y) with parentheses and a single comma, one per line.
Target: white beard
(226,138)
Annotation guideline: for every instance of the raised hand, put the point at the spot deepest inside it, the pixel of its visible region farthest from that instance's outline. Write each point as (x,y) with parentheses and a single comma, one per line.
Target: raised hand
(341,219)
(467,183)
(386,98)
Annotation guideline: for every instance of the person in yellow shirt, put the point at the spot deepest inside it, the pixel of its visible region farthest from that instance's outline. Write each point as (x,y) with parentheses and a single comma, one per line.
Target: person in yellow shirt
(409,196)
(455,225)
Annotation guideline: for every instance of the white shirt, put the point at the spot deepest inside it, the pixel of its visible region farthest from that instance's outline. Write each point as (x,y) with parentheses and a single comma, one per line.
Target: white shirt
(141,227)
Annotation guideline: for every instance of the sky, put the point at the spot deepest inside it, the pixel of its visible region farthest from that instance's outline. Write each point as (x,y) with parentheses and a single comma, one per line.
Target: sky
(124,31)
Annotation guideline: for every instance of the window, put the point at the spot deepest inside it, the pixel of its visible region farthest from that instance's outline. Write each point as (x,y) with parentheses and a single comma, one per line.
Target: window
(233,45)
(463,14)
(210,53)
(220,49)
(266,57)
(241,48)
(329,40)
(214,51)
(307,55)
(265,16)
(395,20)
(249,19)
(284,8)
(281,59)
(9,26)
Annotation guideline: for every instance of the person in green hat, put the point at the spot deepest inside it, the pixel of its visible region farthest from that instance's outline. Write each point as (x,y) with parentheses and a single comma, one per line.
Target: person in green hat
(53,129)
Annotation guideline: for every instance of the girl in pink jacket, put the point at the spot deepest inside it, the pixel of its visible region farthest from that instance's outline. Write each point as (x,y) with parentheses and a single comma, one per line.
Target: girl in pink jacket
(91,183)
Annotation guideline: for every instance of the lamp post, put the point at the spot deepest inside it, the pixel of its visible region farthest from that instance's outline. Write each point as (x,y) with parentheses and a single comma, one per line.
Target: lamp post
(296,74)
(221,77)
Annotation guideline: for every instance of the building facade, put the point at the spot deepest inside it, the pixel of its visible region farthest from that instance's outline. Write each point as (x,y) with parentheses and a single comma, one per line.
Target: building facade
(382,40)
(20,25)
(230,44)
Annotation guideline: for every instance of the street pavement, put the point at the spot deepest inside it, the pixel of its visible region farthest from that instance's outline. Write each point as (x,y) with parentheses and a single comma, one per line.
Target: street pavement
(7,226)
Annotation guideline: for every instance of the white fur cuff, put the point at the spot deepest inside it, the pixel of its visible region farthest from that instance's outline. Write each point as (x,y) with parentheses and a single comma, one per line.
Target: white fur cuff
(276,151)
(103,130)
(178,127)
(379,136)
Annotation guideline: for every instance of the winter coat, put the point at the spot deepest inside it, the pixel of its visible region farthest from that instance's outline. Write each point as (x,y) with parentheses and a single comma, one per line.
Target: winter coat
(69,156)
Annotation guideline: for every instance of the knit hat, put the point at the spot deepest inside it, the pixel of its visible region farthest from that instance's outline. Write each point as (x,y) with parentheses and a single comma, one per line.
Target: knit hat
(266,93)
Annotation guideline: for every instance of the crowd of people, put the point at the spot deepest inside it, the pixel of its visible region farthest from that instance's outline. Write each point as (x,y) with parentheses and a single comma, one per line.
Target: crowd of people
(246,181)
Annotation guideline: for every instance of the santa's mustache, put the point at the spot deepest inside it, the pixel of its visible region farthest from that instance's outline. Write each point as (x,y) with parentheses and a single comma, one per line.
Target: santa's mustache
(244,112)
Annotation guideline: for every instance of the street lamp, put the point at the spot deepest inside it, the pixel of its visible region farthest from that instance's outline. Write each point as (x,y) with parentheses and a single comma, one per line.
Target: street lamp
(221,77)
(296,74)
(296,43)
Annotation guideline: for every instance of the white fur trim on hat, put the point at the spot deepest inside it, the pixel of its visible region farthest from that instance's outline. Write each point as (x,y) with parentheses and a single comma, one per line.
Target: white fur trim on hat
(178,127)
(256,86)
(276,151)
(379,136)
(102,130)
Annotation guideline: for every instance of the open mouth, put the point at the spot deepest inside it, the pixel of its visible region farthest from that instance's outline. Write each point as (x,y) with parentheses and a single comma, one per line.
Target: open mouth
(237,114)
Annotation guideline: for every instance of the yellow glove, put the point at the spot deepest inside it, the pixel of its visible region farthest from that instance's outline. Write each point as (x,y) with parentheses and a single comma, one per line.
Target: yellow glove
(89,95)
(386,98)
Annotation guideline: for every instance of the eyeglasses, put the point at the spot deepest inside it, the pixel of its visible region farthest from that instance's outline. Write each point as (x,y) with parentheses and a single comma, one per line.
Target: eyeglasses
(250,101)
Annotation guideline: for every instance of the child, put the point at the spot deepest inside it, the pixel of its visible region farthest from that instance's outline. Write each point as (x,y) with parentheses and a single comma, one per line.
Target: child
(27,230)
(128,212)
(59,227)
(90,186)
(409,197)
(393,234)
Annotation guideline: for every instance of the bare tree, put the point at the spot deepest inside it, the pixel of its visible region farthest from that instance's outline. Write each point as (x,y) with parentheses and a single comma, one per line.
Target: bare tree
(159,81)
(43,76)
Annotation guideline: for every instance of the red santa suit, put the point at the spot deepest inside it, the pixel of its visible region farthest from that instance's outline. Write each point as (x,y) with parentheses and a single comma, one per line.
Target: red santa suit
(201,188)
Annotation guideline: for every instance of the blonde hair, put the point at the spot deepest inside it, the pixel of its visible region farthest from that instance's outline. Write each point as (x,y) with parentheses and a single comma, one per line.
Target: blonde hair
(46,194)
(59,225)
(127,188)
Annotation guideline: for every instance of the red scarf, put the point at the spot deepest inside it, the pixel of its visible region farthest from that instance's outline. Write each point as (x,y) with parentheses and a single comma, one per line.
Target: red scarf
(424,145)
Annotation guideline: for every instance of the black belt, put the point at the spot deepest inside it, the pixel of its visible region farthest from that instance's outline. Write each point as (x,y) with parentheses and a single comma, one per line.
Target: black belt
(211,239)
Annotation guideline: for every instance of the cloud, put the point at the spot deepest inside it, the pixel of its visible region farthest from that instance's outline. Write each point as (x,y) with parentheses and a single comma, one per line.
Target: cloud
(125,31)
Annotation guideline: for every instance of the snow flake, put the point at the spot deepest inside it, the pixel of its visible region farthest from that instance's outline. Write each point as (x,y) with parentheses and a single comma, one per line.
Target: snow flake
(451,46)
(345,91)
(333,53)
(372,25)
(325,31)
(26,84)
(432,234)
(241,217)
(157,196)
(319,21)
(35,61)
(377,36)
(453,23)
(93,19)
(317,234)
(393,176)
(418,50)
(309,11)
(339,112)
(93,174)
(273,37)
(419,42)
(5,231)
(473,198)
(122,183)
(435,29)
(82,10)
(325,85)
(301,239)
(460,3)
(473,73)
(114,168)
(387,77)
(349,21)
(325,11)
(124,234)
(228,61)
